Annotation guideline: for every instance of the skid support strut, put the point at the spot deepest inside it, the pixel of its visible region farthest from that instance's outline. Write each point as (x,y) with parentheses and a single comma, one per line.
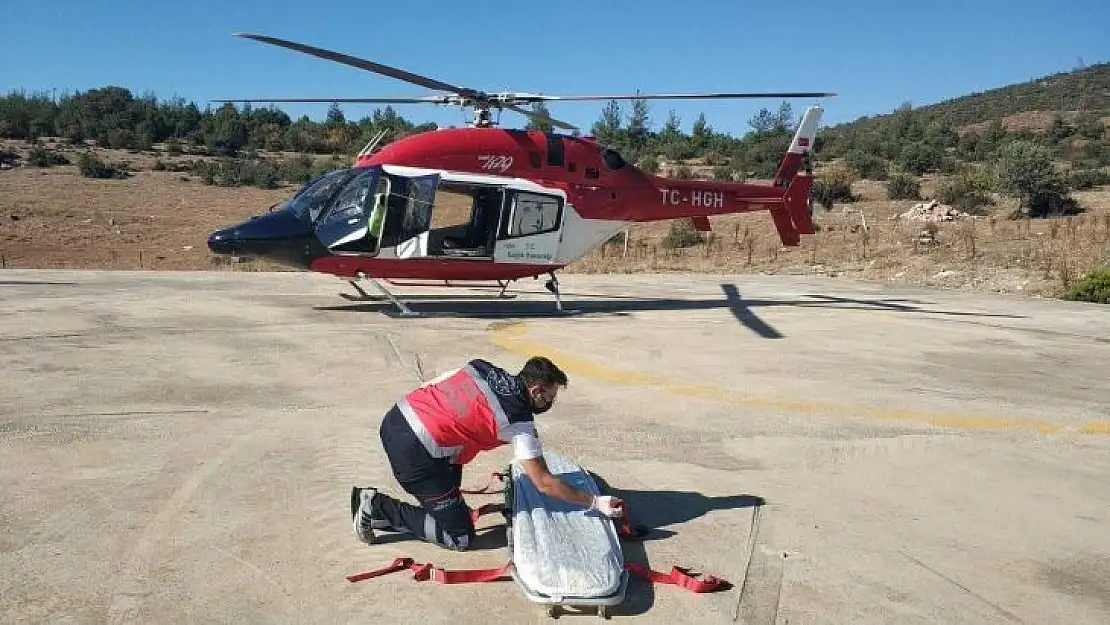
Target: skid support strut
(553,286)
(405,311)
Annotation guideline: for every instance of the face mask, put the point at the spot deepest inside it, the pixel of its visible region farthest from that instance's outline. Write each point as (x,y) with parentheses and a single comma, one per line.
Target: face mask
(540,404)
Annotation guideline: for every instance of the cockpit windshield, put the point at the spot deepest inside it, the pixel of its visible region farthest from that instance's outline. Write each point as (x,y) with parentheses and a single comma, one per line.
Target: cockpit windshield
(314,196)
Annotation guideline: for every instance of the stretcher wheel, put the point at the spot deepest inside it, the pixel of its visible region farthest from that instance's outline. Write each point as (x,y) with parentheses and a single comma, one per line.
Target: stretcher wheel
(552,610)
(604,612)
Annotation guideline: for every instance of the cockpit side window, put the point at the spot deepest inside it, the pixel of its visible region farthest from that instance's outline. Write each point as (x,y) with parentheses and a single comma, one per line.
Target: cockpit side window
(314,196)
(612,159)
(356,198)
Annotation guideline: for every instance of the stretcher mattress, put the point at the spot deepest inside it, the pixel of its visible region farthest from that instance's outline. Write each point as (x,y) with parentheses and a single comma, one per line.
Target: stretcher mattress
(559,549)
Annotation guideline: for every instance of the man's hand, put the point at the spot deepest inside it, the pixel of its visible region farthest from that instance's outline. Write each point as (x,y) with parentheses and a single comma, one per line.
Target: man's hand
(608,505)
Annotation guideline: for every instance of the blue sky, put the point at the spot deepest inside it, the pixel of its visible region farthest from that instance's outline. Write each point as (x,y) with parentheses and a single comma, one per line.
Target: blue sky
(874,54)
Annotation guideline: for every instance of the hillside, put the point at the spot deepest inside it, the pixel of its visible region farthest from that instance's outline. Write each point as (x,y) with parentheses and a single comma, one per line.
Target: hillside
(1086,89)
(1066,113)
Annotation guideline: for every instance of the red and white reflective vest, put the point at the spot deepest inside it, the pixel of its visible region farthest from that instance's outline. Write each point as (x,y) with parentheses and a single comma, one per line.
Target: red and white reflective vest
(473,409)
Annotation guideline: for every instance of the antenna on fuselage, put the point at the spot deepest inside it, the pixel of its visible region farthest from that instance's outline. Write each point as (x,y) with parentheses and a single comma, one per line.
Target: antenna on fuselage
(368,149)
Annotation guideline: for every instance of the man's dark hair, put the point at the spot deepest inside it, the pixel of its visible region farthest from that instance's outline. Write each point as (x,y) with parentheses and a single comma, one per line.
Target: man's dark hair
(541,370)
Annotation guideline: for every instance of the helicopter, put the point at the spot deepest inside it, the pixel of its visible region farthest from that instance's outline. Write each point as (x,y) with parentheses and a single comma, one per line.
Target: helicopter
(487,204)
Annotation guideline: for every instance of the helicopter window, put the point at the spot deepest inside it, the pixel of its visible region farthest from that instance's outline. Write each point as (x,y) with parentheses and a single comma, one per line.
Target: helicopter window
(534,214)
(554,150)
(356,198)
(315,194)
(613,159)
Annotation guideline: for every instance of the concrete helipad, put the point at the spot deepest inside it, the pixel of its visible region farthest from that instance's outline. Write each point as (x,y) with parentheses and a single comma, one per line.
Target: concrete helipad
(180,447)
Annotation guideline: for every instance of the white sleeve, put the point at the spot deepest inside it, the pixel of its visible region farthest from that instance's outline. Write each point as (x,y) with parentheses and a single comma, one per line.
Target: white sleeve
(526,447)
(525,440)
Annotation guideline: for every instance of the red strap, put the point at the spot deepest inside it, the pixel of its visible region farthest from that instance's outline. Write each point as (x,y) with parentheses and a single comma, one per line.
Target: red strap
(678,577)
(470,576)
(423,571)
(399,564)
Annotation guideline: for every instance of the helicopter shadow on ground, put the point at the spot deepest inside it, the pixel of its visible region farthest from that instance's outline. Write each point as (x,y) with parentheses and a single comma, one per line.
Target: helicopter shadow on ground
(598,305)
(650,511)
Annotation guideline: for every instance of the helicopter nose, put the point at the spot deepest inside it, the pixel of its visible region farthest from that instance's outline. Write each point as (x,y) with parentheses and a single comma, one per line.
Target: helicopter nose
(223,242)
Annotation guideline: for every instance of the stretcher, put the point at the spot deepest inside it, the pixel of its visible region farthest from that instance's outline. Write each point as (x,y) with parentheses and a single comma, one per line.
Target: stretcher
(562,554)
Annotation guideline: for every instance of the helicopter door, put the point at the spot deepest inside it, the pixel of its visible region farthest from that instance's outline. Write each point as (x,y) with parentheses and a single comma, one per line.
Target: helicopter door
(346,225)
(409,215)
(531,228)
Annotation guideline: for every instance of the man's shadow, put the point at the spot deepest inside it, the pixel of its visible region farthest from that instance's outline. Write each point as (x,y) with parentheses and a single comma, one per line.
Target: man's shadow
(649,511)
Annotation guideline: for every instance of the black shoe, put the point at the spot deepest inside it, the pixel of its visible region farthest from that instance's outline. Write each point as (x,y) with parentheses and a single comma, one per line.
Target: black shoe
(362,518)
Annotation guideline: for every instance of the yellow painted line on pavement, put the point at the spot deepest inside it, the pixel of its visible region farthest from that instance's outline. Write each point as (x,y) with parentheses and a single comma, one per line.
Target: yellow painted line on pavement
(1095,427)
(513,338)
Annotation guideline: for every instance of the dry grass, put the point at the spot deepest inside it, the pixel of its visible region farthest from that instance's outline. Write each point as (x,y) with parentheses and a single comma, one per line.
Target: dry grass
(991,253)
(159,220)
(55,218)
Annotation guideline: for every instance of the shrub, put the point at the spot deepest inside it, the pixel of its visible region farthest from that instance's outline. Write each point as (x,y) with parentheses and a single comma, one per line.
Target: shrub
(9,157)
(40,156)
(969,191)
(867,165)
(1093,287)
(1081,179)
(722,173)
(93,167)
(833,185)
(919,158)
(903,187)
(1025,171)
(682,234)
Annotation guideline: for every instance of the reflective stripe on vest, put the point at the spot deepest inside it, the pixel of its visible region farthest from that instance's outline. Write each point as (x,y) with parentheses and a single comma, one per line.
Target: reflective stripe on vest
(455,416)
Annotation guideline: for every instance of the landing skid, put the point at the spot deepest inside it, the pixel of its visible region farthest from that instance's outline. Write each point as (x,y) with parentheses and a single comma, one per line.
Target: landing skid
(363,296)
(552,285)
(405,310)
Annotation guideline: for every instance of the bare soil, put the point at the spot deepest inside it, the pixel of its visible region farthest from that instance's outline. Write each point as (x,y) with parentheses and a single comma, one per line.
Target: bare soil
(55,218)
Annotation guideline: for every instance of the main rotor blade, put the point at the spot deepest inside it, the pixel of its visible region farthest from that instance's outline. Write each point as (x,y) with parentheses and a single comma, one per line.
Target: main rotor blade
(385,70)
(539,117)
(676,96)
(422,100)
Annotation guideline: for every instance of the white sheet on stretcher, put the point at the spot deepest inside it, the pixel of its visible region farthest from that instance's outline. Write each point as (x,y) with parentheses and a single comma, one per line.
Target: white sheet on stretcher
(561,549)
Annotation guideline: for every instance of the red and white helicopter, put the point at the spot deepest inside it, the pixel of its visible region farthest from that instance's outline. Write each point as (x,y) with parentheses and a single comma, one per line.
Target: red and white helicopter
(531,201)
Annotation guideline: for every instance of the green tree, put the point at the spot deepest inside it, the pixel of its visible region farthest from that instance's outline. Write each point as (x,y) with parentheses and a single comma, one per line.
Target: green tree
(542,121)
(919,158)
(607,129)
(1024,170)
